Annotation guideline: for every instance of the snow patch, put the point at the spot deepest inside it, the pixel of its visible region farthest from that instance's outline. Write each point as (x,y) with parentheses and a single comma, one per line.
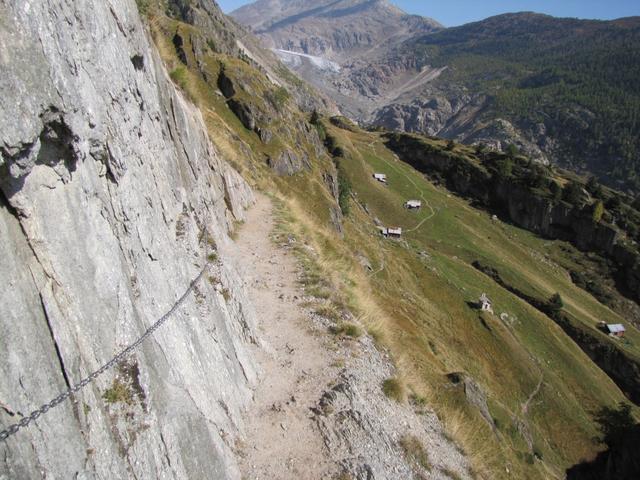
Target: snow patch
(295,59)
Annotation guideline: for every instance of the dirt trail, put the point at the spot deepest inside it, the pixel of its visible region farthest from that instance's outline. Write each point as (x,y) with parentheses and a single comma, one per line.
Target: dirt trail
(525,405)
(319,410)
(281,440)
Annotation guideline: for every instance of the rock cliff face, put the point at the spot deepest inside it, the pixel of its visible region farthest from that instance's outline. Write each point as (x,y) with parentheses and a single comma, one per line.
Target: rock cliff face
(111,196)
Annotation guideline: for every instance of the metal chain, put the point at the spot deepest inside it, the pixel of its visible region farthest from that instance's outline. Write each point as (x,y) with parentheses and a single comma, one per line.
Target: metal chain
(11,430)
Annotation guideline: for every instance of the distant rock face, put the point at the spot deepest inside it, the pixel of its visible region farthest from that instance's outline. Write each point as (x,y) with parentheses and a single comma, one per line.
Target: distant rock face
(110,189)
(343,47)
(459,117)
(321,27)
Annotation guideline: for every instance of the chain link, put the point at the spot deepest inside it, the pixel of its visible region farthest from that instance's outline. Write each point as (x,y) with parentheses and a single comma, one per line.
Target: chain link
(11,430)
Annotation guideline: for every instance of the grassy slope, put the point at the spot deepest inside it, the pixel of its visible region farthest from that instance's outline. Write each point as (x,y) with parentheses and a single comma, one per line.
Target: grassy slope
(416,304)
(425,303)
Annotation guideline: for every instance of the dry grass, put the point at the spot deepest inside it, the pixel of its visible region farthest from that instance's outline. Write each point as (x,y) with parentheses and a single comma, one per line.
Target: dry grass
(329,312)
(472,440)
(453,475)
(347,329)
(414,451)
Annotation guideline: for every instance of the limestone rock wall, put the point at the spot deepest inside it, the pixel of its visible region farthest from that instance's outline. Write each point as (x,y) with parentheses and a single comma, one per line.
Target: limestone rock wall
(108,184)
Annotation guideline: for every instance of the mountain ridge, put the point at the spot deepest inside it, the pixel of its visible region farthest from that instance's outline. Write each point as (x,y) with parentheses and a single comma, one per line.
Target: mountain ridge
(321,29)
(482,83)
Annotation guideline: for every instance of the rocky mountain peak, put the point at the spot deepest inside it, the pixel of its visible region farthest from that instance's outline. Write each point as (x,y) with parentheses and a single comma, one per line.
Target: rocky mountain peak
(330,26)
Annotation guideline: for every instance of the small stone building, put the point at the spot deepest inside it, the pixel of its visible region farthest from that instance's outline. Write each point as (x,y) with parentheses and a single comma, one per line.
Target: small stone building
(413,204)
(395,232)
(616,329)
(485,304)
(381,177)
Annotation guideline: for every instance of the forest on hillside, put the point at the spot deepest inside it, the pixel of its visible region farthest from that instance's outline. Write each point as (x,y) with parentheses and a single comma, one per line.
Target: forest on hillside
(578,78)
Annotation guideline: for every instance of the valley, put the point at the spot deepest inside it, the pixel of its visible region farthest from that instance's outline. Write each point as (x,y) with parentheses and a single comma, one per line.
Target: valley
(561,90)
(334,332)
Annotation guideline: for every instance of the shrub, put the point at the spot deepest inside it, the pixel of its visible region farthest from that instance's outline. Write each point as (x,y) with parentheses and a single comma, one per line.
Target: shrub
(615,424)
(322,133)
(512,150)
(348,329)
(555,305)
(393,388)
(579,279)
(614,203)
(594,188)
(344,191)
(119,392)
(556,190)
(280,97)
(143,6)
(572,193)
(212,45)
(504,168)
(179,76)
(598,211)
(537,453)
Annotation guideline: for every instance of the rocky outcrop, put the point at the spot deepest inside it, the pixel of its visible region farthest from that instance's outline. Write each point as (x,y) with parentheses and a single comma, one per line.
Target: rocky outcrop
(428,116)
(335,214)
(112,195)
(619,462)
(288,162)
(363,430)
(449,113)
(246,113)
(473,393)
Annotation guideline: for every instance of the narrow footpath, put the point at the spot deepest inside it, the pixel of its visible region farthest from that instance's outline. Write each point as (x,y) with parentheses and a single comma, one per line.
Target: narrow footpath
(282,440)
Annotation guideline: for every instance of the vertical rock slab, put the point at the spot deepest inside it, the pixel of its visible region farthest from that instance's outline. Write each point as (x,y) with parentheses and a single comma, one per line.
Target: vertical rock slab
(111,198)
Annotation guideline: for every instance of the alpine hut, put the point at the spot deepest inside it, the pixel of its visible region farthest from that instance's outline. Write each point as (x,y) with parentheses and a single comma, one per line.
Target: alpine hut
(394,232)
(616,329)
(381,177)
(413,204)
(485,303)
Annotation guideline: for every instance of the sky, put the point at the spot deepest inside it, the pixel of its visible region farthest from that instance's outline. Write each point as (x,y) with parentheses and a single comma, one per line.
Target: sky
(456,12)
